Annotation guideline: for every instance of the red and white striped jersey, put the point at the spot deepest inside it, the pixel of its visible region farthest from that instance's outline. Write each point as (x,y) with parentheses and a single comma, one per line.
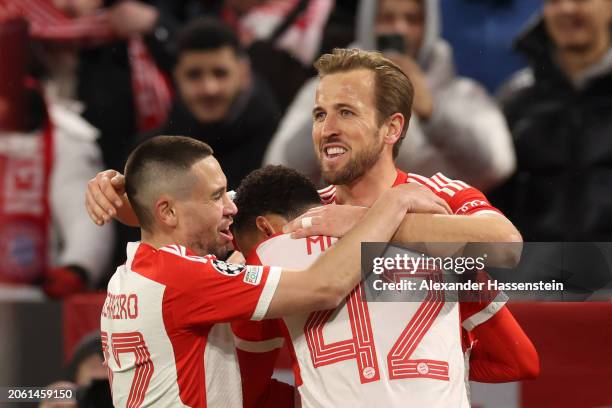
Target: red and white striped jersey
(365,354)
(162,339)
(462,198)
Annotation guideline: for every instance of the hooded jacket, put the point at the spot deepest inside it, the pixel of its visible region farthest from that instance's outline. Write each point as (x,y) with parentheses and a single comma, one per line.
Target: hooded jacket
(466,138)
(562,131)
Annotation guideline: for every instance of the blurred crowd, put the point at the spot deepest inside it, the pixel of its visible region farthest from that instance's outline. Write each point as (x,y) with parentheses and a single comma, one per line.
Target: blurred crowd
(512,96)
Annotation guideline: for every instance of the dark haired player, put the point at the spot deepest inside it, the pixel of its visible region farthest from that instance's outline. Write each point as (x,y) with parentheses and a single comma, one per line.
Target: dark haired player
(328,372)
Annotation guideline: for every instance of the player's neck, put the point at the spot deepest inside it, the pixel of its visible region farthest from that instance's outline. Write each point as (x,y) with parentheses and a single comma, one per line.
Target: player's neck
(157,240)
(365,190)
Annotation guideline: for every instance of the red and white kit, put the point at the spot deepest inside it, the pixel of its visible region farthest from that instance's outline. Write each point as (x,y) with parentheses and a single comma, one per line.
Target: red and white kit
(366,354)
(162,341)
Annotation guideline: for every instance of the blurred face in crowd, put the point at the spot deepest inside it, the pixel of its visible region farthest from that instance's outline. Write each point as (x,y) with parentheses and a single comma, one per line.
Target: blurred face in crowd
(346,134)
(209,81)
(578,25)
(206,213)
(78,8)
(404,17)
(91,368)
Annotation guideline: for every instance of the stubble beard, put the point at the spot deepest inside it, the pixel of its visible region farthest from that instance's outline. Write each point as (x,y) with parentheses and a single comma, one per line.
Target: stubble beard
(356,167)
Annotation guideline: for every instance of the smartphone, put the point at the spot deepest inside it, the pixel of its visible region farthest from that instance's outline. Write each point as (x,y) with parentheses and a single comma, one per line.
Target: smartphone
(391,42)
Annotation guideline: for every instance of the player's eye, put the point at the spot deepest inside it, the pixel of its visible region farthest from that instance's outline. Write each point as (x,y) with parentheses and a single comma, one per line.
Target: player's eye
(345,113)
(318,116)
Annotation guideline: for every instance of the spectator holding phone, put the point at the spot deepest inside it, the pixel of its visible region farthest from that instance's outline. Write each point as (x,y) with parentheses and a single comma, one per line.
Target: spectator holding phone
(456,127)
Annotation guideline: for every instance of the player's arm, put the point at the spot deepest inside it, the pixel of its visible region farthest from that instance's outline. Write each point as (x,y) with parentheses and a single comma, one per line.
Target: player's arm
(211,291)
(502,352)
(429,221)
(335,220)
(492,234)
(337,271)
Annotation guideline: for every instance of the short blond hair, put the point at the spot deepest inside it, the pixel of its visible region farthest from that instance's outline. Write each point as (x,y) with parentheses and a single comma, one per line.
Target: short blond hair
(393,92)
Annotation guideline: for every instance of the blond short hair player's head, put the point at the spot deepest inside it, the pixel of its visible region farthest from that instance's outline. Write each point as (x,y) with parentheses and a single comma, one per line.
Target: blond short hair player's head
(360,118)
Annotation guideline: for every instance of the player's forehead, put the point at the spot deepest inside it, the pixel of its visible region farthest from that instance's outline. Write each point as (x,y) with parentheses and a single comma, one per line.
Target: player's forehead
(209,174)
(352,88)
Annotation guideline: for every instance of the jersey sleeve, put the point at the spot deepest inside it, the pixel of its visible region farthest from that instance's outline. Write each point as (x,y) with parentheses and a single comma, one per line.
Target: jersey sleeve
(205,290)
(502,352)
(462,198)
(479,306)
(257,347)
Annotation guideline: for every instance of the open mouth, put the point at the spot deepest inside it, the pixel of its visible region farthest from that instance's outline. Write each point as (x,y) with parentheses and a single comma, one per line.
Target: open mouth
(334,152)
(226,234)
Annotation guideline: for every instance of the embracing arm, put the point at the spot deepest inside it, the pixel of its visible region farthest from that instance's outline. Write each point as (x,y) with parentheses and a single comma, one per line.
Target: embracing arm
(490,233)
(337,271)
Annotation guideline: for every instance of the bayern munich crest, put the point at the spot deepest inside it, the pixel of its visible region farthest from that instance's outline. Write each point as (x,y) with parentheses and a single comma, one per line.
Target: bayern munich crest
(228,269)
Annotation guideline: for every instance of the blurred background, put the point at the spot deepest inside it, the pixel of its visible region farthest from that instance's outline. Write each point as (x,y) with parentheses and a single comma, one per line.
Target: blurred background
(511,96)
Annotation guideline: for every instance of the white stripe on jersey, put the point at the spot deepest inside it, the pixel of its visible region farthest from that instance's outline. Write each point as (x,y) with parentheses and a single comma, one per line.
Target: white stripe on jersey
(446,179)
(485,314)
(267,293)
(415,178)
(328,194)
(181,251)
(483,212)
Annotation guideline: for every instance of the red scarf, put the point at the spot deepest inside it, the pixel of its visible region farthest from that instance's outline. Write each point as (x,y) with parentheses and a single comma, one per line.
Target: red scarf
(25,169)
(152,94)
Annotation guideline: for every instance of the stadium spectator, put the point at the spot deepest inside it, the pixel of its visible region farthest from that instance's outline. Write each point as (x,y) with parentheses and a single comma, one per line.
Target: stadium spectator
(162,304)
(115,80)
(282,37)
(219,100)
(86,364)
(88,377)
(558,110)
(456,129)
(44,165)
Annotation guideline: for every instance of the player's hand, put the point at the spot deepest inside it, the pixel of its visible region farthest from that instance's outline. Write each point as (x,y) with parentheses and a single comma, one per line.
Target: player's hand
(329,220)
(421,200)
(423,99)
(105,196)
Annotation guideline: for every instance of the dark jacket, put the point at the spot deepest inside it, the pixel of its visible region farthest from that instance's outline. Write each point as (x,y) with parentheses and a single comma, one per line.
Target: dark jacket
(562,190)
(105,88)
(239,141)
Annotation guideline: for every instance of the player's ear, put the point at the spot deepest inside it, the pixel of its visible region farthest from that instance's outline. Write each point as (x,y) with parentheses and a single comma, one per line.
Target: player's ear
(393,127)
(165,211)
(265,226)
